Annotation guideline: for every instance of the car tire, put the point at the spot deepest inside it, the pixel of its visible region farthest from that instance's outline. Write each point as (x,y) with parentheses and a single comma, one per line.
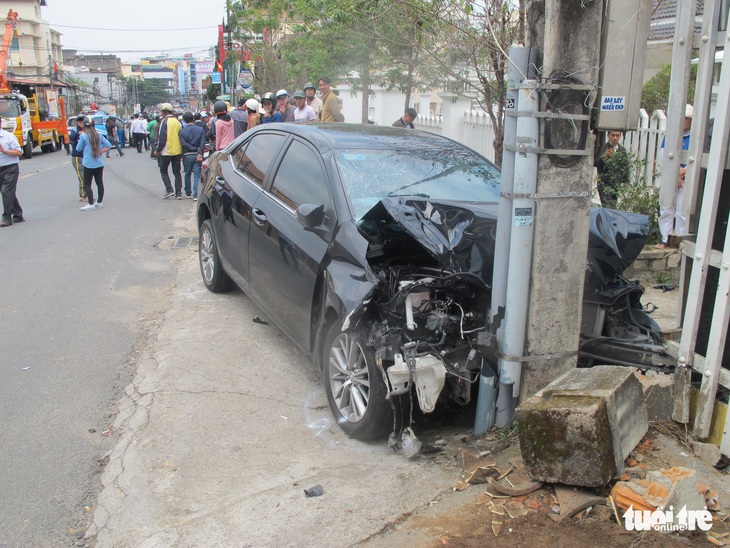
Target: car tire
(214,277)
(355,387)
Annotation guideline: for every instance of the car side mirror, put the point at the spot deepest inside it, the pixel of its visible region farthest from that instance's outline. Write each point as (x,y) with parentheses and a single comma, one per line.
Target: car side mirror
(312,216)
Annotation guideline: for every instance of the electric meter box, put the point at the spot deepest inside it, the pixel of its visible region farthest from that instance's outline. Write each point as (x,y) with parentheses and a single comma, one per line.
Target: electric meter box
(624,33)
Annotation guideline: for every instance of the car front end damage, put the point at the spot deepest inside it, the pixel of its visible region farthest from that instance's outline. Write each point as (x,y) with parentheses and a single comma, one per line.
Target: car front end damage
(426,319)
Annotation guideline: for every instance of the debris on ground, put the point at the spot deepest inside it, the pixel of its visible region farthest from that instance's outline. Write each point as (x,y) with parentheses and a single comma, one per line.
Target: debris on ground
(315,491)
(257,319)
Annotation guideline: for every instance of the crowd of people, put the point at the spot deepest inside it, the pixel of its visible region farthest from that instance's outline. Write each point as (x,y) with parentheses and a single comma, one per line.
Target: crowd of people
(177,140)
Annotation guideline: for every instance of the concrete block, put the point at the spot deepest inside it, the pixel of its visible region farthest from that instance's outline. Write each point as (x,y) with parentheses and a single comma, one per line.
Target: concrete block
(658,265)
(580,428)
(708,452)
(674,260)
(658,395)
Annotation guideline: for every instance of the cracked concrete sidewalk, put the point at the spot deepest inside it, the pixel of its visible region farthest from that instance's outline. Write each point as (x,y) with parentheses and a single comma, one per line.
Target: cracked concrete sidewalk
(223,427)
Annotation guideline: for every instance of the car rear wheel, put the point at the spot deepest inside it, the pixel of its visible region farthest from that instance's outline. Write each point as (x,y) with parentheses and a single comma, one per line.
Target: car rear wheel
(214,277)
(355,387)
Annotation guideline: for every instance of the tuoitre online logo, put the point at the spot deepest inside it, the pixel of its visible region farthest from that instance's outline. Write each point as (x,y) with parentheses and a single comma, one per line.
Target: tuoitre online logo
(667,520)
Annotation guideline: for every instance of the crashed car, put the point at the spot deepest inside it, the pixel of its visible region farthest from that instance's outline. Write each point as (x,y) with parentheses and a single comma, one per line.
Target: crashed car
(371,248)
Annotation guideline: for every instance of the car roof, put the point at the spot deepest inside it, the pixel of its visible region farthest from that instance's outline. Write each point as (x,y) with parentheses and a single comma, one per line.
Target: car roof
(347,136)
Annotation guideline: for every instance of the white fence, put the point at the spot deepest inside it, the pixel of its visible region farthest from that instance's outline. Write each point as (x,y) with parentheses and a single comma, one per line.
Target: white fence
(473,128)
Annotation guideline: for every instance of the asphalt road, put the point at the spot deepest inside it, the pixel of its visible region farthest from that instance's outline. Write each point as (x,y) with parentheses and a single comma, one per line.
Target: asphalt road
(79,291)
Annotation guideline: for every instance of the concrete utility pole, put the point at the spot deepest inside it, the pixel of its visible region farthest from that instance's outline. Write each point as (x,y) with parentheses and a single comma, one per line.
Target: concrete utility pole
(569,46)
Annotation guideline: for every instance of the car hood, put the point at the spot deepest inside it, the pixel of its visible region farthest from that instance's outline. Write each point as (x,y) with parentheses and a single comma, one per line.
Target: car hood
(459,236)
(615,241)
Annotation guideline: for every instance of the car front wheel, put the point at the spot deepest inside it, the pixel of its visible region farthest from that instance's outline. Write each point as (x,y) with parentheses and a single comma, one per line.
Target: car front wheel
(214,277)
(355,387)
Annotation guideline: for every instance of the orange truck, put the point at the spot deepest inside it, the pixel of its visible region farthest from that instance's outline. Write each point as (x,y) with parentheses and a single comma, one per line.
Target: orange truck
(21,115)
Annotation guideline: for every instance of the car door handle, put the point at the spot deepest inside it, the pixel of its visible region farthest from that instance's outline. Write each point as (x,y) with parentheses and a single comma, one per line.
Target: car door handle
(259,217)
(220,180)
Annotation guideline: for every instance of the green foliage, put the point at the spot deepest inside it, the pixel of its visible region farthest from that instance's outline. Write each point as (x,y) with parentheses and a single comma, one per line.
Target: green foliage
(640,196)
(655,93)
(213,91)
(149,93)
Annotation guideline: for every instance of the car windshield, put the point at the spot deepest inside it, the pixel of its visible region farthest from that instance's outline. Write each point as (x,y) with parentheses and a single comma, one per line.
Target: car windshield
(9,108)
(443,172)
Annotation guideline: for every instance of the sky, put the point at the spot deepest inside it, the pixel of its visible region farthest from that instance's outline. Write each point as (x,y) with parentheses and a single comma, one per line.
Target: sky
(173,26)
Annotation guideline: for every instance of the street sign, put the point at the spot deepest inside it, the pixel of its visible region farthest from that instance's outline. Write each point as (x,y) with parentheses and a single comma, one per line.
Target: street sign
(245,78)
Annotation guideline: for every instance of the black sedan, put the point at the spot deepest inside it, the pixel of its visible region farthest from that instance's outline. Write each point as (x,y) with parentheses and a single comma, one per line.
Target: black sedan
(371,248)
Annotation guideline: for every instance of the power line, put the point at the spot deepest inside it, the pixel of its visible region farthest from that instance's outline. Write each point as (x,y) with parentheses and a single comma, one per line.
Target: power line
(132,30)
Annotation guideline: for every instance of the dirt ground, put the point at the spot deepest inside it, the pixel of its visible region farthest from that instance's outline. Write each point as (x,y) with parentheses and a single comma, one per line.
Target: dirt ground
(466,519)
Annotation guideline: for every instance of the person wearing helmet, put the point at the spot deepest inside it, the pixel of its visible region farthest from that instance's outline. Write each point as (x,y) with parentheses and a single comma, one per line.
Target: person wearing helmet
(268,103)
(283,106)
(312,100)
(303,112)
(239,115)
(169,151)
(224,130)
(92,146)
(254,117)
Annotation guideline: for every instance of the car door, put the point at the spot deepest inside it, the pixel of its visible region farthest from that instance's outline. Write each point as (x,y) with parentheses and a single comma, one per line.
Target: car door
(238,184)
(285,258)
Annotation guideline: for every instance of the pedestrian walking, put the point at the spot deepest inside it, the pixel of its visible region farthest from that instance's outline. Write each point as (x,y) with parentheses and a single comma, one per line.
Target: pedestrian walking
(76,156)
(152,128)
(138,130)
(169,151)
(192,140)
(10,153)
(92,146)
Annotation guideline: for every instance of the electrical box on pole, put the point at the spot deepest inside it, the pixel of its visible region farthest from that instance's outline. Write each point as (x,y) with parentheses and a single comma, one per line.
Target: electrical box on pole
(623,54)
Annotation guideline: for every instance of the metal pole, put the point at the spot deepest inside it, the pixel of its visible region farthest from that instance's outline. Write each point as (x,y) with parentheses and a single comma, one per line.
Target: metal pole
(520,59)
(520,251)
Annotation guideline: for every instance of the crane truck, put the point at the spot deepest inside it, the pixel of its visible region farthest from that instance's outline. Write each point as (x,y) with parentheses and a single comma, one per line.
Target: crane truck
(20,114)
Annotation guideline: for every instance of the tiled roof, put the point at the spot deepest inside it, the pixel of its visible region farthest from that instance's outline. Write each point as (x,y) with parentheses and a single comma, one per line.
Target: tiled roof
(663,19)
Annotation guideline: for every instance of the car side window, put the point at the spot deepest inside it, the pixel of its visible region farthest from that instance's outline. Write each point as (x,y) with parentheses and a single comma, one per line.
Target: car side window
(255,158)
(300,178)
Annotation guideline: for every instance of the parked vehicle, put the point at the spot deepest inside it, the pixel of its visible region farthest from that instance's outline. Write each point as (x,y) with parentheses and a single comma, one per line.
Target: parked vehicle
(372,249)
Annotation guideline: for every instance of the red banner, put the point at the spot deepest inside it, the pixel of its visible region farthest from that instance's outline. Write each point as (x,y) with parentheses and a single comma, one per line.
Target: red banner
(221,45)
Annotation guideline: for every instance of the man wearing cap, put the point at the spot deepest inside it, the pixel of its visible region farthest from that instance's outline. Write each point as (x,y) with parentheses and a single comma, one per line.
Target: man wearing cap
(672,217)
(312,100)
(169,151)
(283,106)
(303,112)
(331,111)
(76,156)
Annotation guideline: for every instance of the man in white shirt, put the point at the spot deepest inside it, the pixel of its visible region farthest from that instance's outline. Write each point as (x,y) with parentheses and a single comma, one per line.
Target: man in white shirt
(303,112)
(138,129)
(10,153)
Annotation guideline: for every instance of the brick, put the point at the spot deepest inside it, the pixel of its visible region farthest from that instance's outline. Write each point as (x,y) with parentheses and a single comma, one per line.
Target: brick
(673,261)
(580,428)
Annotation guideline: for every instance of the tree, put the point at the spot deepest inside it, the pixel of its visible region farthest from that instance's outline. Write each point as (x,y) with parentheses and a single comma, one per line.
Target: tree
(655,93)
(148,93)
